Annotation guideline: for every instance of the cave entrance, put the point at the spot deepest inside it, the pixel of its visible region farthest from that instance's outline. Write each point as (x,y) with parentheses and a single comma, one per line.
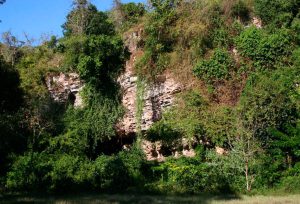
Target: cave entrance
(71,98)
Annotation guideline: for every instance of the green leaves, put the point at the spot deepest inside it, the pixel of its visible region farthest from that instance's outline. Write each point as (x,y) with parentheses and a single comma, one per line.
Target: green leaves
(218,67)
(276,12)
(103,57)
(266,50)
(267,100)
(84,19)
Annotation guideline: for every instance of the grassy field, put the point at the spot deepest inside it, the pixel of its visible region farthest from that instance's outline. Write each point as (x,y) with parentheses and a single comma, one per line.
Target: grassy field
(144,199)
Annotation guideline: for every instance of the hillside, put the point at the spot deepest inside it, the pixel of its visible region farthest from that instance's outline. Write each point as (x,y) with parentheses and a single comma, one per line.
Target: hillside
(178,96)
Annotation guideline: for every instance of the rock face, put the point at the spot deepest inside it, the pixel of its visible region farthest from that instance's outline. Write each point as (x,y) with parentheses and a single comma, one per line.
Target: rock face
(65,87)
(155,151)
(158,96)
(257,22)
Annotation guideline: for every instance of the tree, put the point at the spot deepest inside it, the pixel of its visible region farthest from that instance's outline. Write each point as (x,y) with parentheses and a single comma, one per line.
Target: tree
(287,141)
(11,100)
(244,153)
(267,101)
(85,19)
(77,19)
(10,50)
(118,13)
(277,12)
(267,104)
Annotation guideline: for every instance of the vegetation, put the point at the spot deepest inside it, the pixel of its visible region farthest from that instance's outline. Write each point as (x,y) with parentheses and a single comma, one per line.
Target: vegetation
(242,95)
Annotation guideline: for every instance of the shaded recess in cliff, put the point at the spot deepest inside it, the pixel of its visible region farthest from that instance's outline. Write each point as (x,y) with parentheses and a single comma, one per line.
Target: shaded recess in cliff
(65,87)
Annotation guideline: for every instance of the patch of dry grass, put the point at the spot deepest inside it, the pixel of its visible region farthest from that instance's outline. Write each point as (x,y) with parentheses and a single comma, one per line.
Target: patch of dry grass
(141,199)
(291,199)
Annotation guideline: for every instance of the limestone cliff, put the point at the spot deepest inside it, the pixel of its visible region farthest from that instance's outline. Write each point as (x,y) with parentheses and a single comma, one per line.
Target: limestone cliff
(158,96)
(65,87)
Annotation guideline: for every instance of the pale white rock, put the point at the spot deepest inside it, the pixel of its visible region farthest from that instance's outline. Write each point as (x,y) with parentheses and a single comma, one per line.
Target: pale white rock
(257,22)
(189,153)
(158,96)
(221,151)
(63,87)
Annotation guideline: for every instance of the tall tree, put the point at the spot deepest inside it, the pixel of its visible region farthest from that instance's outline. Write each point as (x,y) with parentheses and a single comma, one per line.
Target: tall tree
(78,18)
(118,14)
(10,51)
(85,19)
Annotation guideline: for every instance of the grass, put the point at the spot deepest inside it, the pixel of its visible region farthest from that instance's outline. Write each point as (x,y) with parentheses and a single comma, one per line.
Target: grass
(145,199)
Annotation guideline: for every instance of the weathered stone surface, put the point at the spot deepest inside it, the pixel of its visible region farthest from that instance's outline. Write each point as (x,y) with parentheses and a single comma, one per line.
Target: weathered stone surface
(158,96)
(221,151)
(257,22)
(65,87)
(154,150)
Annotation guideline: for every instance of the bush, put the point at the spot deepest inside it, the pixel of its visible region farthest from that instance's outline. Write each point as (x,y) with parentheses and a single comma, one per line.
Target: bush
(189,175)
(241,11)
(87,128)
(218,67)
(296,29)
(276,12)
(69,173)
(132,12)
(159,38)
(291,181)
(111,174)
(162,131)
(133,159)
(29,172)
(266,50)
(267,100)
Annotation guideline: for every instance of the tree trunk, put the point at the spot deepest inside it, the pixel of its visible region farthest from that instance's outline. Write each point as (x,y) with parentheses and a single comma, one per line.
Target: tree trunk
(247,176)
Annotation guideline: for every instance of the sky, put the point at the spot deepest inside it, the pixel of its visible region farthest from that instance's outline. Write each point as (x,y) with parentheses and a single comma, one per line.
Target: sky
(40,18)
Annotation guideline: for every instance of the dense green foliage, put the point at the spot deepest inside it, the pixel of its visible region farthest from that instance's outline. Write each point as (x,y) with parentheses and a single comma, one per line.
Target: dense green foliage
(241,97)
(266,50)
(278,12)
(216,68)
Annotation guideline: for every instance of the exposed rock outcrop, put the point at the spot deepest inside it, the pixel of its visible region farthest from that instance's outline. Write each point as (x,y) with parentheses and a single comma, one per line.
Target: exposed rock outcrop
(156,150)
(65,87)
(158,96)
(257,22)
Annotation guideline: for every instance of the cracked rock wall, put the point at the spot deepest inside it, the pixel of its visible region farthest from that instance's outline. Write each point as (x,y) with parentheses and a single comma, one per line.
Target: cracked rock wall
(158,96)
(65,87)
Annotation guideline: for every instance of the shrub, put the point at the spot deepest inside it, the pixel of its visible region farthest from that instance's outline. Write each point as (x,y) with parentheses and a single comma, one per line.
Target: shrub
(218,67)
(29,172)
(87,128)
(161,131)
(276,12)
(189,175)
(266,50)
(132,12)
(241,11)
(267,100)
(111,174)
(70,173)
